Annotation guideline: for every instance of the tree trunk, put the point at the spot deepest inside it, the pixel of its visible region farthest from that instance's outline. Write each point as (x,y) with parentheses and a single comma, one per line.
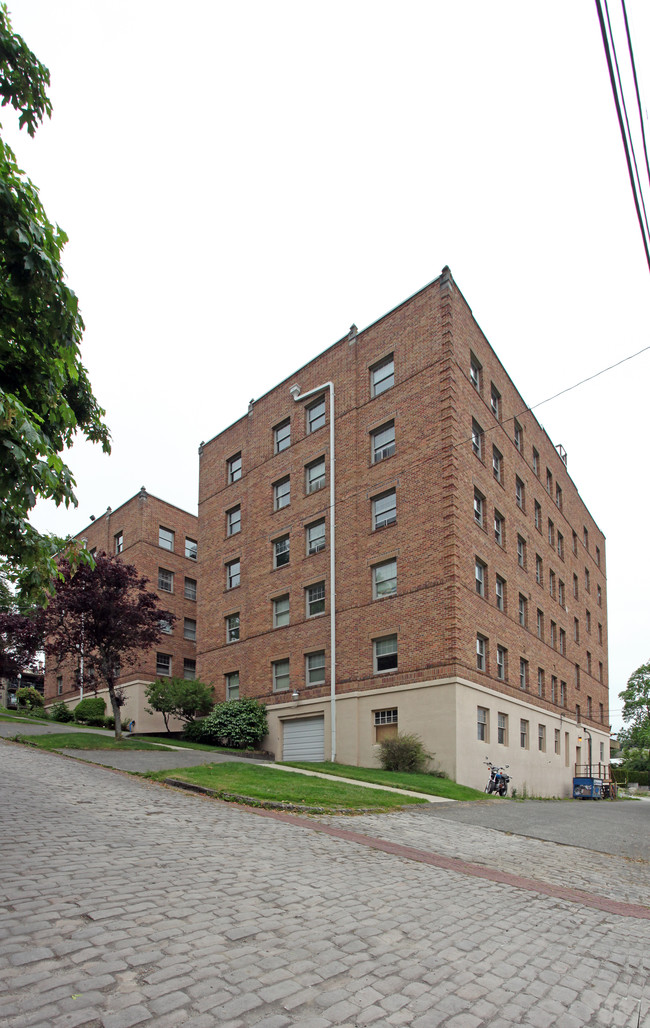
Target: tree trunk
(116,710)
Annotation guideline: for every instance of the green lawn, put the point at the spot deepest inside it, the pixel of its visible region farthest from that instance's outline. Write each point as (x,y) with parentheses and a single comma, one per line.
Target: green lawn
(266,783)
(428,784)
(83,741)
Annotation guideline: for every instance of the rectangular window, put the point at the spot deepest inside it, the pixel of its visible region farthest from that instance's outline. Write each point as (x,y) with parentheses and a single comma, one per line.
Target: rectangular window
(479,506)
(385,717)
(575,586)
(59,685)
(233,520)
(119,542)
(587,585)
(383,442)
(589,707)
(189,669)
(315,668)
(549,481)
(551,534)
(190,589)
(519,493)
(577,673)
(535,462)
(538,516)
(601,713)
(482,724)
(477,439)
(384,510)
(234,468)
(499,528)
(232,628)
(554,692)
(560,592)
(280,675)
(189,629)
(233,572)
(551,583)
(519,437)
(540,681)
(282,436)
(166,538)
(599,596)
(585,537)
(523,734)
(497,463)
(475,370)
(166,627)
(315,476)
(578,715)
(165,580)
(502,730)
(553,634)
(576,630)
(540,624)
(562,693)
(479,576)
(558,744)
(523,673)
(191,548)
(315,599)
(598,556)
(574,542)
(384,579)
(558,496)
(385,653)
(600,633)
(539,570)
(495,402)
(523,610)
(560,546)
(588,620)
(281,552)
(163,664)
(481,652)
(315,537)
(316,415)
(382,376)
(281,611)
(501,663)
(541,738)
(500,593)
(521,551)
(282,493)
(232,685)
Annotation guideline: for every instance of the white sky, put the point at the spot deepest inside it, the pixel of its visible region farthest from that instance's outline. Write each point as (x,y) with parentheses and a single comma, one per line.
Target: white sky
(242,181)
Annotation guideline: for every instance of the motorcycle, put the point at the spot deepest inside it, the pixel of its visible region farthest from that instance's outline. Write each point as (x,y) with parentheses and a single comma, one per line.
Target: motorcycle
(498,779)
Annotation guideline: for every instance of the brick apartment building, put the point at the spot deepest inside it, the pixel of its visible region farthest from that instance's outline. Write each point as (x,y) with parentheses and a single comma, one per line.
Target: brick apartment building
(471,603)
(161,541)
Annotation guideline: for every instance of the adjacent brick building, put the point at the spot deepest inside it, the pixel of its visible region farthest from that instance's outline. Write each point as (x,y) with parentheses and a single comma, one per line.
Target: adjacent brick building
(471,603)
(160,540)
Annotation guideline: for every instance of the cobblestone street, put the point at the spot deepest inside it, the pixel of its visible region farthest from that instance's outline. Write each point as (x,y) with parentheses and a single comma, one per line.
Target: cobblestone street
(126,903)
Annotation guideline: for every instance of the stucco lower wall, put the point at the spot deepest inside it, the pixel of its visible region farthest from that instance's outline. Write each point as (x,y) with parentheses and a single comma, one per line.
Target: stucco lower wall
(134,709)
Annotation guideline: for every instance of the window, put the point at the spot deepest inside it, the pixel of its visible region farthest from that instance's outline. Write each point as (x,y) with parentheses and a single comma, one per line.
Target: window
(282,436)
(523,610)
(501,663)
(315,537)
(479,575)
(602,752)
(578,716)
(553,634)
(482,724)
(599,596)
(59,685)
(315,595)
(523,734)
(588,620)
(386,717)
(562,641)
(165,580)
(587,585)
(551,533)
(554,693)
(560,546)
(601,713)
(481,652)
(523,673)
(497,463)
(234,468)
(519,437)
(477,439)
(577,674)
(315,668)
(574,542)
(282,493)
(495,402)
(575,586)
(539,570)
(191,548)
(519,493)
(521,551)
(316,415)
(190,589)
(385,722)
(232,685)
(315,476)
(585,537)
(384,510)
(479,504)
(562,694)
(166,538)
(576,630)
(232,628)
(502,729)
(233,520)
(540,681)
(538,516)
(558,746)
(163,664)
(560,593)
(500,593)
(598,556)
(281,552)
(280,675)
(600,633)
(385,653)
(189,669)
(551,583)
(189,629)
(549,481)
(535,462)
(499,528)
(382,376)
(475,370)
(588,662)
(541,738)
(540,623)
(384,579)
(233,571)
(558,496)
(383,442)
(119,542)
(281,611)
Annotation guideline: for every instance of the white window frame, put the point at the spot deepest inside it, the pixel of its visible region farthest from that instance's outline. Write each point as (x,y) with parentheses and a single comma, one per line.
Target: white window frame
(232,685)
(281,674)
(314,599)
(523,674)
(282,436)
(316,414)
(499,528)
(281,611)
(502,729)
(233,578)
(315,476)
(500,592)
(479,576)
(234,467)
(475,372)
(119,542)
(282,551)
(501,663)
(383,516)
(233,520)
(482,724)
(388,645)
(384,584)
(166,539)
(163,665)
(497,463)
(477,439)
(524,733)
(315,541)
(190,589)
(191,548)
(189,669)
(188,631)
(165,579)
(315,666)
(382,376)
(495,402)
(233,628)
(521,551)
(383,442)
(282,493)
(481,652)
(479,507)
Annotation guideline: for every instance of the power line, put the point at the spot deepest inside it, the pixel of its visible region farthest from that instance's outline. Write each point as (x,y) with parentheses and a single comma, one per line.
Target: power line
(636,87)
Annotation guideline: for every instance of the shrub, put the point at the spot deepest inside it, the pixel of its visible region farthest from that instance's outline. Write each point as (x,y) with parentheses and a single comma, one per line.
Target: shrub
(89,709)
(241,724)
(61,712)
(195,731)
(403,753)
(28,698)
(37,712)
(109,722)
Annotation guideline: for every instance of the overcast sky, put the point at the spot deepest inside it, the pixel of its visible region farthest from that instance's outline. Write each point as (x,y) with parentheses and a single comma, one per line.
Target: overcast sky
(242,181)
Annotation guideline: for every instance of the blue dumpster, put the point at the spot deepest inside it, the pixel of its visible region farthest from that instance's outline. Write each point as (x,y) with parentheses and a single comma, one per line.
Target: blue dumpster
(587,788)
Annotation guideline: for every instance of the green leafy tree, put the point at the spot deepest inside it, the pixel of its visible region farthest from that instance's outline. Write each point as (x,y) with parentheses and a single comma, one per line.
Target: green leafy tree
(636,698)
(29,698)
(176,697)
(45,393)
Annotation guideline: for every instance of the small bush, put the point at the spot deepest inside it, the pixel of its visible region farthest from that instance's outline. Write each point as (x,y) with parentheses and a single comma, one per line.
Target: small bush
(29,698)
(109,722)
(37,712)
(403,753)
(241,724)
(61,712)
(195,731)
(89,709)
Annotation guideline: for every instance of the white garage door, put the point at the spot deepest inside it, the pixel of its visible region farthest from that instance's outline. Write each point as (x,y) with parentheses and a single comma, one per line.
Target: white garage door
(304,739)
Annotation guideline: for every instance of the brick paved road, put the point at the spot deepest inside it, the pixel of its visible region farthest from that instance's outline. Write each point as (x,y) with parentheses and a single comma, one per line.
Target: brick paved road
(130,904)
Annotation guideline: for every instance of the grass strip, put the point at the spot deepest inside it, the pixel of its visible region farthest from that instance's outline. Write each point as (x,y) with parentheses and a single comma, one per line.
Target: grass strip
(82,741)
(429,784)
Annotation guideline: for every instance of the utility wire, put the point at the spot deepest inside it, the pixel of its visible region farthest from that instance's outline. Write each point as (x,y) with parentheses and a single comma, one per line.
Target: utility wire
(636,88)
